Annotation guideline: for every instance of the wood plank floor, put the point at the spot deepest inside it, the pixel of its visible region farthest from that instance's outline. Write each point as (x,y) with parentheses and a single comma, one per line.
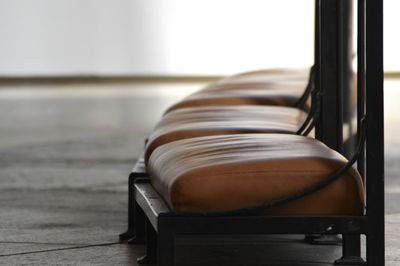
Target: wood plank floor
(66,151)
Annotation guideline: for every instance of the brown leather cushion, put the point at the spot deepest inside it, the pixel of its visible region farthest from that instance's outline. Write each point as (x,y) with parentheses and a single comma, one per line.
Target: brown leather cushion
(269,75)
(246,96)
(219,120)
(283,85)
(219,173)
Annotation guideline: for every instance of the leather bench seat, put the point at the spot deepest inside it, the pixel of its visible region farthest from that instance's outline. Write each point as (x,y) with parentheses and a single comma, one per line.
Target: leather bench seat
(282,87)
(220,173)
(219,120)
(245,96)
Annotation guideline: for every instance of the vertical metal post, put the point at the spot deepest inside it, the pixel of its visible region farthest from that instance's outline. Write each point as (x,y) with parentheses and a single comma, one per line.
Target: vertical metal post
(351,243)
(316,38)
(375,132)
(330,123)
(348,78)
(335,54)
(361,77)
(347,56)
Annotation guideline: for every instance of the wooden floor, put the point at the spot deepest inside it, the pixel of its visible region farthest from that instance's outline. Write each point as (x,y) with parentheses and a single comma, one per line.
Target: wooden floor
(66,151)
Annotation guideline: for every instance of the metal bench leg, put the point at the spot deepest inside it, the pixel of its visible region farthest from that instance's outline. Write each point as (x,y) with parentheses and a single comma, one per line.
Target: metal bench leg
(151,246)
(351,251)
(166,243)
(139,224)
(136,217)
(375,249)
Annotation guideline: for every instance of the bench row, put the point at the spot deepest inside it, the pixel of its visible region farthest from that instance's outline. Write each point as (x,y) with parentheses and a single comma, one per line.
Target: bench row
(236,144)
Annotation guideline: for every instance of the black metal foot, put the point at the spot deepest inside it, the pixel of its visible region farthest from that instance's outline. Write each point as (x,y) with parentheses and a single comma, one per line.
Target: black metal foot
(151,246)
(127,235)
(139,225)
(323,239)
(147,260)
(136,240)
(350,260)
(351,251)
(136,216)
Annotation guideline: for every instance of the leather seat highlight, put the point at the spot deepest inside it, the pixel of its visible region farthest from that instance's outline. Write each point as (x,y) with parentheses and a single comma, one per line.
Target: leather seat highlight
(220,173)
(219,120)
(269,75)
(244,96)
(287,84)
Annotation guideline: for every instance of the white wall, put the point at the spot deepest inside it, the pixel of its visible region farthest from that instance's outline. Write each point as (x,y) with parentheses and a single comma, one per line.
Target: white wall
(392,35)
(172,37)
(56,37)
(160,37)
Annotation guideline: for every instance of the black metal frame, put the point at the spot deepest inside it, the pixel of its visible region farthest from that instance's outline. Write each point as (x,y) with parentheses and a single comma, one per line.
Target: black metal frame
(165,226)
(135,232)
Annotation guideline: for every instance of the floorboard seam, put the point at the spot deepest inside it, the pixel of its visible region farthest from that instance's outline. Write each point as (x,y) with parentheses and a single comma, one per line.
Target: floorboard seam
(42,243)
(60,249)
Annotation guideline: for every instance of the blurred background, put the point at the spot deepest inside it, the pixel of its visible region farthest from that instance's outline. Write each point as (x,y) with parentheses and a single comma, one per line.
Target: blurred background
(82,82)
(150,37)
(171,37)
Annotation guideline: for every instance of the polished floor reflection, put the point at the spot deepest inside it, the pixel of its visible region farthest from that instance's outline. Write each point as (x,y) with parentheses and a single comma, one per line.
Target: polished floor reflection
(66,151)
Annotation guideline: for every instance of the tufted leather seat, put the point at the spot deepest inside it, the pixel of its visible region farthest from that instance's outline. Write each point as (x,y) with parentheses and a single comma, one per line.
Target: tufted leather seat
(219,120)
(278,96)
(281,87)
(219,173)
